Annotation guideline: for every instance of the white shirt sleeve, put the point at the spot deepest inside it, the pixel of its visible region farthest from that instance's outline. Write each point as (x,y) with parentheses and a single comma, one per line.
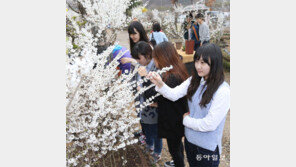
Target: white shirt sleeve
(176,93)
(217,112)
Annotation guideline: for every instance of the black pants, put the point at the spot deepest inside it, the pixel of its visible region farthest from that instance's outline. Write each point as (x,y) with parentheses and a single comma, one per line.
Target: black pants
(176,150)
(200,157)
(196,45)
(143,129)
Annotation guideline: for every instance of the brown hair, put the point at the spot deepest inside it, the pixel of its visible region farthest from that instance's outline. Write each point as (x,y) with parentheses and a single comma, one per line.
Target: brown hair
(165,54)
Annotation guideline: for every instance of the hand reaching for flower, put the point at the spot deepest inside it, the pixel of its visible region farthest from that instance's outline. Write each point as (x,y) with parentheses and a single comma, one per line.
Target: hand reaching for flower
(155,78)
(186,114)
(153,105)
(127,60)
(142,71)
(138,88)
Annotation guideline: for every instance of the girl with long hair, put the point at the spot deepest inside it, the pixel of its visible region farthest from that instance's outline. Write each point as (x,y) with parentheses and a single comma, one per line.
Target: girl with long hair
(136,33)
(208,101)
(170,113)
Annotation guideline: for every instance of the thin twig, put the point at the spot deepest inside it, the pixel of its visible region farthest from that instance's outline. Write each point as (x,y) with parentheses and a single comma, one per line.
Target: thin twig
(113,159)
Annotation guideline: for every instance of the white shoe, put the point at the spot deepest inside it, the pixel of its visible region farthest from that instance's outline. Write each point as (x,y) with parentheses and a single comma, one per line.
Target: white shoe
(169,164)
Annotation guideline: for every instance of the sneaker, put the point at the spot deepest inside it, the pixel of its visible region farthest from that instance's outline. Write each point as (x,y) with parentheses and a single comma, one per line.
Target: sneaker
(156,157)
(142,139)
(169,164)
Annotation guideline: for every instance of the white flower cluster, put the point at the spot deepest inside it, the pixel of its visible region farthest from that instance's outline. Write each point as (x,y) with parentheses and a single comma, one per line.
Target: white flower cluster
(216,26)
(156,16)
(104,13)
(178,8)
(82,42)
(101,108)
(101,114)
(138,13)
(100,20)
(79,60)
(171,27)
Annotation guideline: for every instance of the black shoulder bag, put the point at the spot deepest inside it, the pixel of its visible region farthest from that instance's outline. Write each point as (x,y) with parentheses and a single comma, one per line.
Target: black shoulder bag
(153,42)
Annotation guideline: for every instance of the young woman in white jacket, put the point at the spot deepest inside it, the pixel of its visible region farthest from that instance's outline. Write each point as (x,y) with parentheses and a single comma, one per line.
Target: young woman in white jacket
(208,101)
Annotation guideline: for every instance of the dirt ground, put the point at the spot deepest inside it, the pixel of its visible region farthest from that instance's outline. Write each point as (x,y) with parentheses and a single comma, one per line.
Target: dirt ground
(123,40)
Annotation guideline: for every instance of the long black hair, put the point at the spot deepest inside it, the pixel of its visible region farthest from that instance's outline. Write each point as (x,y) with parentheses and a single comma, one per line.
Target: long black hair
(139,27)
(212,55)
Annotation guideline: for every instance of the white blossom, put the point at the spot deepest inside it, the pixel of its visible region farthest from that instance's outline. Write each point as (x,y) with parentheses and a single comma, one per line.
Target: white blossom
(101,108)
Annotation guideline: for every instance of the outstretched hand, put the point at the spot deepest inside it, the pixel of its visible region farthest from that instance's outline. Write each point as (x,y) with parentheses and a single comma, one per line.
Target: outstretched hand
(153,105)
(155,78)
(186,114)
(142,71)
(127,60)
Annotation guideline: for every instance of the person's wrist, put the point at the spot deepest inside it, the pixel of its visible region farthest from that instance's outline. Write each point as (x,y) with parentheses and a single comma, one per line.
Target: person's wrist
(133,62)
(160,84)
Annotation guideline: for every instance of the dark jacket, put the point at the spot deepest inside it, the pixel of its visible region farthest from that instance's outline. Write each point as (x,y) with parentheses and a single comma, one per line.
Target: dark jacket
(170,114)
(185,30)
(193,34)
(196,41)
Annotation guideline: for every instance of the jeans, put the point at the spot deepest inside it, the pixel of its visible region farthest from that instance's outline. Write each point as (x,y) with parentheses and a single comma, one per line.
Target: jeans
(201,157)
(176,150)
(151,137)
